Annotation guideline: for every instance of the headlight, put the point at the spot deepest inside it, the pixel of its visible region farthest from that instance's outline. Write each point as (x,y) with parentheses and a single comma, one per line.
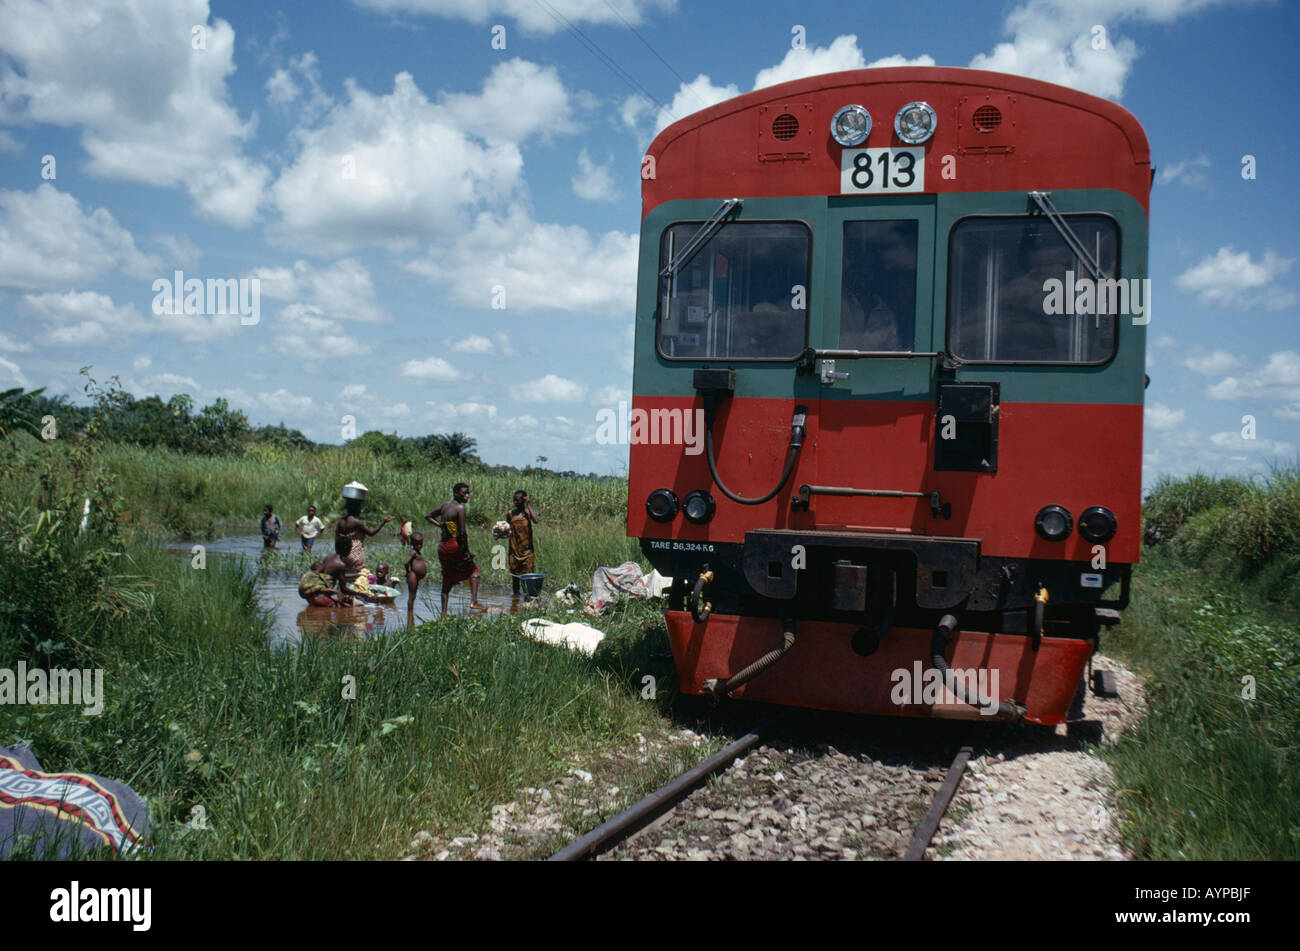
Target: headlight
(699,507)
(851,126)
(1098,524)
(1053,523)
(915,123)
(662,505)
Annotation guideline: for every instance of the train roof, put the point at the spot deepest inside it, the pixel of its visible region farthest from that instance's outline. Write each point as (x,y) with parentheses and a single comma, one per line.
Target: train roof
(1045,136)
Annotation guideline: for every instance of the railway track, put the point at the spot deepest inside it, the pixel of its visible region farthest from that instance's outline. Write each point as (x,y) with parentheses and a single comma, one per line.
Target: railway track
(777,813)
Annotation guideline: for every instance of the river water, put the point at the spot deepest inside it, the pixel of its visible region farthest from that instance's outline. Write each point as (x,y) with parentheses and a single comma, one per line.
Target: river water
(293,618)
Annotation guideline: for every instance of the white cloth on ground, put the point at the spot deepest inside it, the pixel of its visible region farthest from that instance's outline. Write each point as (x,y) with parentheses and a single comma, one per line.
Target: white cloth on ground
(579,637)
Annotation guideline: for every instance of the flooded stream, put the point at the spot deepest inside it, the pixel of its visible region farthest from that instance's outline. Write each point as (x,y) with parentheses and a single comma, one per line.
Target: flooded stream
(293,619)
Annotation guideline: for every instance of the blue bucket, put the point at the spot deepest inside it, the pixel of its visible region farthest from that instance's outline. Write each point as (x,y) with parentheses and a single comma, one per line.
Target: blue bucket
(531,584)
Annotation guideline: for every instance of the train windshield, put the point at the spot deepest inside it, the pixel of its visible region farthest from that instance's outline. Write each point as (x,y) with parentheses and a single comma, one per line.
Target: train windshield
(743,295)
(1013,286)
(878,288)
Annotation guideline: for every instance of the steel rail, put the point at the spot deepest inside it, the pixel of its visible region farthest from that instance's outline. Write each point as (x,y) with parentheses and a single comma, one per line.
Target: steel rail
(930,824)
(641,814)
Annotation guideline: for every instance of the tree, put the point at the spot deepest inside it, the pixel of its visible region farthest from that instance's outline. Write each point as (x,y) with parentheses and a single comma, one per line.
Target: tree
(17,411)
(456,446)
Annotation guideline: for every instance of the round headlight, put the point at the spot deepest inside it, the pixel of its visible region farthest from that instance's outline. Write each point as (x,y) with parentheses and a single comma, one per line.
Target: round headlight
(699,507)
(915,123)
(1098,524)
(851,126)
(1053,523)
(662,505)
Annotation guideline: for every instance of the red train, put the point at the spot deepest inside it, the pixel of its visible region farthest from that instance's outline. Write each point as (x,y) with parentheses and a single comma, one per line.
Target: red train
(887,402)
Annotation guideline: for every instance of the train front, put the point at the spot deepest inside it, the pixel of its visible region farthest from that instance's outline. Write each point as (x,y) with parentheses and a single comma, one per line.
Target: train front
(887,405)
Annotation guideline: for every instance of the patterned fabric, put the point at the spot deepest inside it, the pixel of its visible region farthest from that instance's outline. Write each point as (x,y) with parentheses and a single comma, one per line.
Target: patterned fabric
(314,583)
(455,566)
(78,810)
(521,544)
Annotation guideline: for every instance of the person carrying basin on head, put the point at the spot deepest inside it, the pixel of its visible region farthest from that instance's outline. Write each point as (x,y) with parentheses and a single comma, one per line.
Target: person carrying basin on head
(454,553)
(350,533)
(309,526)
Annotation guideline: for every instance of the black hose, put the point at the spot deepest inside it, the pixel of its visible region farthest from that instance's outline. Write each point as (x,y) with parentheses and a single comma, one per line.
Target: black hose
(796,440)
(947,624)
(698,614)
(717,689)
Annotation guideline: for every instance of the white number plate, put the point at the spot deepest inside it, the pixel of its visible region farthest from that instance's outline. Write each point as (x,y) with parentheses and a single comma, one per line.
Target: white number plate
(882,171)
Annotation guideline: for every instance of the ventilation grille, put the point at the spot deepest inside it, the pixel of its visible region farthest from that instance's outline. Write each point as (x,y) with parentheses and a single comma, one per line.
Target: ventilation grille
(785,127)
(987,118)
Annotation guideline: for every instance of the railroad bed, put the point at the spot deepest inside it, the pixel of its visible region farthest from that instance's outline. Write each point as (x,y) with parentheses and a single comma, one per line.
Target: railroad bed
(786,800)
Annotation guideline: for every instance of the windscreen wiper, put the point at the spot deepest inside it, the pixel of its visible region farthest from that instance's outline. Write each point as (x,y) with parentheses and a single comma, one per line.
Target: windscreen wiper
(1044,202)
(707,230)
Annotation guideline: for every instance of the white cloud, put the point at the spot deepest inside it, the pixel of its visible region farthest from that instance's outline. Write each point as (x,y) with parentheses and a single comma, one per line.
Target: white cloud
(1213,364)
(699,93)
(47,241)
(8,144)
(88,319)
(9,345)
(340,291)
(150,107)
(1229,278)
(540,266)
(520,100)
(1234,442)
(1056,41)
(431,368)
(172,383)
(1188,172)
(309,336)
(1279,378)
(593,182)
(283,90)
(528,14)
(610,396)
(12,375)
(842,54)
(549,389)
(142,362)
(176,251)
(1291,411)
(390,169)
(1161,417)
(472,344)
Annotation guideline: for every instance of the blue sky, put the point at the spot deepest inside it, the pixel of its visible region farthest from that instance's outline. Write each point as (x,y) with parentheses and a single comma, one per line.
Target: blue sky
(476,167)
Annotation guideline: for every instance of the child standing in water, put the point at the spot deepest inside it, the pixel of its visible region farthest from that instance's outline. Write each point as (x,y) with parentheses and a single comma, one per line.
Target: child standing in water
(416,569)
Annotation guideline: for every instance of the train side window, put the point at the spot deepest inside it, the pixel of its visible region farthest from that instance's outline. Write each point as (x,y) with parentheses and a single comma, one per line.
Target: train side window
(878,285)
(1000,309)
(744,295)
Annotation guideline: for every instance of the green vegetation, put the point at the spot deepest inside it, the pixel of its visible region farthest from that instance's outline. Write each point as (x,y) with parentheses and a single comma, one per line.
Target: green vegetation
(448,719)
(1241,529)
(1214,770)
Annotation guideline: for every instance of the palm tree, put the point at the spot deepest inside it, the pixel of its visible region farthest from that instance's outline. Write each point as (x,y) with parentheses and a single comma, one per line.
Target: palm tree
(456,446)
(16,411)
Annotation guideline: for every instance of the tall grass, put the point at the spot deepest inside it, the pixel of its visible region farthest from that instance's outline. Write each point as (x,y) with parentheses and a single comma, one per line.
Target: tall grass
(180,493)
(1247,529)
(448,719)
(1214,770)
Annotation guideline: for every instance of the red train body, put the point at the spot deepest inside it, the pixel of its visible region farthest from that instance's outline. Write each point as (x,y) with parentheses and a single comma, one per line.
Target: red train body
(887,401)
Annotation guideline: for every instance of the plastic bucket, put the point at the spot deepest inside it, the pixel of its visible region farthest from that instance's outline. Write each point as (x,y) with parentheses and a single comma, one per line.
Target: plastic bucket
(531,584)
